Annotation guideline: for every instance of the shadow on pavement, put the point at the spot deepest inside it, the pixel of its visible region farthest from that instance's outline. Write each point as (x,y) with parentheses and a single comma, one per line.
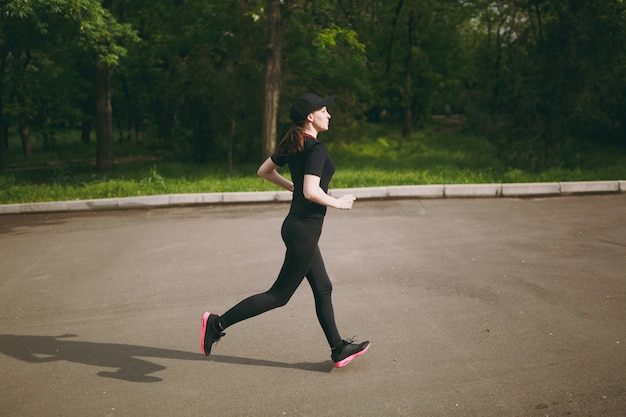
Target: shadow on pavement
(324,367)
(44,349)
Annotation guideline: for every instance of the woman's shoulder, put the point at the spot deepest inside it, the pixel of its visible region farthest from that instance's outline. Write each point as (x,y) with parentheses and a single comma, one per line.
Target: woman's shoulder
(311,143)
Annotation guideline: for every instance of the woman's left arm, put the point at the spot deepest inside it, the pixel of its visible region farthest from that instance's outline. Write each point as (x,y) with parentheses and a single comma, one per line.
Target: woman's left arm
(313,192)
(268,171)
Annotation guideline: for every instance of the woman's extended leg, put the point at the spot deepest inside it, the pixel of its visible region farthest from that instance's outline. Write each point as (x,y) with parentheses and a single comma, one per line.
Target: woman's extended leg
(342,351)
(322,290)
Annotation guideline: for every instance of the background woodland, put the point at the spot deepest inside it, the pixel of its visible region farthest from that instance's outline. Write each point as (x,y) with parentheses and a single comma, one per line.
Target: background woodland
(212,80)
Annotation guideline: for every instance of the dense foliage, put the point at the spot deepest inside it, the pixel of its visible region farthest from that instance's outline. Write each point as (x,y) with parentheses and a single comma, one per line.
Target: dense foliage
(545,78)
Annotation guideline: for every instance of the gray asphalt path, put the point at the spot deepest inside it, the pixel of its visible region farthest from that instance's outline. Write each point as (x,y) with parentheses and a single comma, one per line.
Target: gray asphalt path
(474,307)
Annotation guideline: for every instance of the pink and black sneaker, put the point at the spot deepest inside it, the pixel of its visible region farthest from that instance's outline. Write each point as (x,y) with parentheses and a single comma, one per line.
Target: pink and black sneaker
(209,333)
(347,351)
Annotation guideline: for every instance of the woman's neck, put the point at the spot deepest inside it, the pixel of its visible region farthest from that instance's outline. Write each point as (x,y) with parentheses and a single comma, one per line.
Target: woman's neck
(309,130)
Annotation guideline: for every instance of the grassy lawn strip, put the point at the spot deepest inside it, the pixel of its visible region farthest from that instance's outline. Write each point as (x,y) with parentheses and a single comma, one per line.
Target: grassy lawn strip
(427,157)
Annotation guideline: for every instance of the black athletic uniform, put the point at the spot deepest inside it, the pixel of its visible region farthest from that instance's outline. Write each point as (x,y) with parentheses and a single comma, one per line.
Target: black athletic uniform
(300,231)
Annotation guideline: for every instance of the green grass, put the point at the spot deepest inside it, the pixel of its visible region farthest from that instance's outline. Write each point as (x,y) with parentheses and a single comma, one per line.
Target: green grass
(378,158)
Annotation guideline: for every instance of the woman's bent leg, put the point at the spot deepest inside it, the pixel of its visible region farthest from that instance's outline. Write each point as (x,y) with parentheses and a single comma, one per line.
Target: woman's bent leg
(300,237)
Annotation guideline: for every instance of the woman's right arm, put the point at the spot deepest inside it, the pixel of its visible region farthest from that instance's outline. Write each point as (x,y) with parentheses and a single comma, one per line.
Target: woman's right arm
(268,171)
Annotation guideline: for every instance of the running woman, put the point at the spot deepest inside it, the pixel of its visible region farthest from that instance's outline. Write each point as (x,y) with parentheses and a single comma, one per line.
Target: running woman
(311,171)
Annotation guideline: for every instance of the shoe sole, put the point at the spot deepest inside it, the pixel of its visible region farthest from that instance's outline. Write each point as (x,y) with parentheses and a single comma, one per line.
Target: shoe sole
(349,359)
(205,321)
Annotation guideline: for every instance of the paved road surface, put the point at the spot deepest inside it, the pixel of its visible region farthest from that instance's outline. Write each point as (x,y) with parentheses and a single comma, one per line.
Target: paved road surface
(474,307)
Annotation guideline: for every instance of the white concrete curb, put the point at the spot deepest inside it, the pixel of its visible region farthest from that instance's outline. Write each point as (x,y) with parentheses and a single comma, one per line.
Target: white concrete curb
(365,193)
(473,190)
(531,189)
(590,187)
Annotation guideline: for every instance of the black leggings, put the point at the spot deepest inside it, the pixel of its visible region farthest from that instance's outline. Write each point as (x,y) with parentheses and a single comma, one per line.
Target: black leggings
(303,259)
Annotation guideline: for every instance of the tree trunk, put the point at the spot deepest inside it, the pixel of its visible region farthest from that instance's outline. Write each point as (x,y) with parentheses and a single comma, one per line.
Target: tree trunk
(391,40)
(407,96)
(272,78)
(4,141)
(85,130)
(104,118)
(132,124)
(4,129)
(4,136)
(25,135)
(231,140)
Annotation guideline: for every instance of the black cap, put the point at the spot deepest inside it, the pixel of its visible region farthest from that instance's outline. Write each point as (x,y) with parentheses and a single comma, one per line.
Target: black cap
(306,104)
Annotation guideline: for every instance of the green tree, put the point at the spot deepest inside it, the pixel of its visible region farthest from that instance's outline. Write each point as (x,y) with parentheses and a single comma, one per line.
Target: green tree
(411,60)
(551,72)
(86,24)
(196,76)
(580,73)
(324,55)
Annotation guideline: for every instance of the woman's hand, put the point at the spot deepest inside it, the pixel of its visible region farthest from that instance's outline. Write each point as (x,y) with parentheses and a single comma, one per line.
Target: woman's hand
(345,202)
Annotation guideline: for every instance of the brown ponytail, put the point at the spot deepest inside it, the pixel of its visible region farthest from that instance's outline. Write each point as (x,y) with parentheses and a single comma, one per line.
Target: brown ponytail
(292,142)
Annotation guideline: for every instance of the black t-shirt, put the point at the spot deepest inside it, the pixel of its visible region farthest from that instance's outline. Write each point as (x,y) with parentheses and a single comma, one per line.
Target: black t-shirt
(314,160)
